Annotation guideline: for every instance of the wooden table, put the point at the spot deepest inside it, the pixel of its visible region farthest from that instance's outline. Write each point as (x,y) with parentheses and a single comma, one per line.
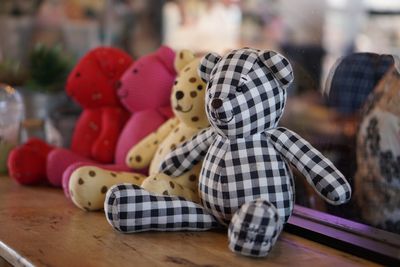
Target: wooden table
(38,226)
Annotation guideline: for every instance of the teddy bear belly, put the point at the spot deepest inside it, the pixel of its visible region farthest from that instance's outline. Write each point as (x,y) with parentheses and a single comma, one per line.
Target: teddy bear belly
(227,182)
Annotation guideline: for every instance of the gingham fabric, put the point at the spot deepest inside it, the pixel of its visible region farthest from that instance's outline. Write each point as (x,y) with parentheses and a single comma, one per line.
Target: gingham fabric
(353,78)
(254,228)
(190,153)
(251,93)
(245,173)
(129,208)
(319,171)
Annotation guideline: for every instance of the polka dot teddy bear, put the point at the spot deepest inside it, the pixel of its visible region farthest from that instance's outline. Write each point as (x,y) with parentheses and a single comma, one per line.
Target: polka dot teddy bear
(187,100)
(245,182)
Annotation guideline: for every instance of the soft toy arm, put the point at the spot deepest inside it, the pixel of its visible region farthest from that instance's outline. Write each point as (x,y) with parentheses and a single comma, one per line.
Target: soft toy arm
(140,155)
(319,171)
(112,122)
(188,154)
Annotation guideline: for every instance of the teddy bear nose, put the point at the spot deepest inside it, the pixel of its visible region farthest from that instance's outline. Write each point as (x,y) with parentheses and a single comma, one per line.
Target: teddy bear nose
(179,95)
(216,103)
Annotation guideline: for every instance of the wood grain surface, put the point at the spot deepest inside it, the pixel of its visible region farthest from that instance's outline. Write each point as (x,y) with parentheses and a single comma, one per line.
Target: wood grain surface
(38,226)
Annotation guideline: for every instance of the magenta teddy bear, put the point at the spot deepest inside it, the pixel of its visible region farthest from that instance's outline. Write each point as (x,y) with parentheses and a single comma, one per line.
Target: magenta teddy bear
(145,90)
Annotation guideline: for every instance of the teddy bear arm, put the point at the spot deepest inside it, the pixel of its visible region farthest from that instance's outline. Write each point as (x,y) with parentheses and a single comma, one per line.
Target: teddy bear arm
(188,154)
(112,122)
(319,171)
(140,155)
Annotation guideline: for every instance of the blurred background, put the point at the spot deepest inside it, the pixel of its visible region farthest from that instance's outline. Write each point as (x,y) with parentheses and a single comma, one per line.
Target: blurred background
(41,40)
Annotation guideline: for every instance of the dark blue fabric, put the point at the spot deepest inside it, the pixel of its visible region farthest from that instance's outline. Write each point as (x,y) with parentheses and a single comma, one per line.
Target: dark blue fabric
(354,78)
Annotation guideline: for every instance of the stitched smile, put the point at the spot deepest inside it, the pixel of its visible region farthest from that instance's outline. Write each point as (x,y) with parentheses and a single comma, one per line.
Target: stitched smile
(215,117)
(180,109)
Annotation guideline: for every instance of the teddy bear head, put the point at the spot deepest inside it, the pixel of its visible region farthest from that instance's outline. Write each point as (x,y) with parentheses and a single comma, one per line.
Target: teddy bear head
(147,83)
(246,90)
(187,98)
(352,79)
(92,82)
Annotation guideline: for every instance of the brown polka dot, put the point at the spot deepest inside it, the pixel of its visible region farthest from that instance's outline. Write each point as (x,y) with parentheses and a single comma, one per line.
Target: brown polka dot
(175,82)
(155,142)
(89,203)
(171,184)
(92,173)
(195,118)
(104,189)
(181,55)
(80,181)
(192,80)
(199,87)
(193,94)
(155,178)
(183,138)
(165,193)
(173,147)
(187,69)
(192,177)
(113,174)
(138,158)
(136,177)
(176,130)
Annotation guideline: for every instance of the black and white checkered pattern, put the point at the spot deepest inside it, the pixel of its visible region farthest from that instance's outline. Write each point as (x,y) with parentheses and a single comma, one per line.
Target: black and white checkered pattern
(254,228)
(129,208)
(319,171)
(250,89)
(245,172)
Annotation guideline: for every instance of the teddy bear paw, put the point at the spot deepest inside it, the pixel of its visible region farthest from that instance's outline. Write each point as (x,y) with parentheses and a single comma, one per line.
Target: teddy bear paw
(254,228)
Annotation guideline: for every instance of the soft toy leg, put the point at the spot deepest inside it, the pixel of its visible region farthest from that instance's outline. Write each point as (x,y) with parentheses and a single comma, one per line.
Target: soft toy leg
(129,209)
(88,185)
(66,176)
(163,184)
(254,228)
(27,163)
(58,161)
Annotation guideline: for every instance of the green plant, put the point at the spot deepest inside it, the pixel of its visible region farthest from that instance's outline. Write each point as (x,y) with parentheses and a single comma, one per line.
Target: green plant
(49,68)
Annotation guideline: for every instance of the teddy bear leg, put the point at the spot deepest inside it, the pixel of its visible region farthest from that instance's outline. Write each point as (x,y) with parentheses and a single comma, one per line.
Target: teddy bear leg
(163,184)
(129,208)
(88,185)
(254,228)
(27,163)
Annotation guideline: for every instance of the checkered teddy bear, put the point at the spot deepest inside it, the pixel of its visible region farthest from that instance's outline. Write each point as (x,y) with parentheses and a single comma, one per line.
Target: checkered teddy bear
(246,182)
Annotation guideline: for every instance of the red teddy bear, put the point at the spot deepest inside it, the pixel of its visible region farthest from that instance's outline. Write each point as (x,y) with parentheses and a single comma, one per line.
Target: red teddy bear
(93,84)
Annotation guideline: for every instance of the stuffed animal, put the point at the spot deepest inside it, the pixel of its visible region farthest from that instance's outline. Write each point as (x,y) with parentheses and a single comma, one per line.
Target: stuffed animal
(187,100)
(92,83)
(144,89)
(245,182)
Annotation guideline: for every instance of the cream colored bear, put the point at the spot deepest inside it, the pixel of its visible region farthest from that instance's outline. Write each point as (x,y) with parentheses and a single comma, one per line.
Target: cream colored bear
(187,100)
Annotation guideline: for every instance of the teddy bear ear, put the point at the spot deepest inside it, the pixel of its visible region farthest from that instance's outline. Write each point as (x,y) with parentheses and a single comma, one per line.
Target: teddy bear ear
(166,56)
(279,66)
(207,64)
(182,58)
